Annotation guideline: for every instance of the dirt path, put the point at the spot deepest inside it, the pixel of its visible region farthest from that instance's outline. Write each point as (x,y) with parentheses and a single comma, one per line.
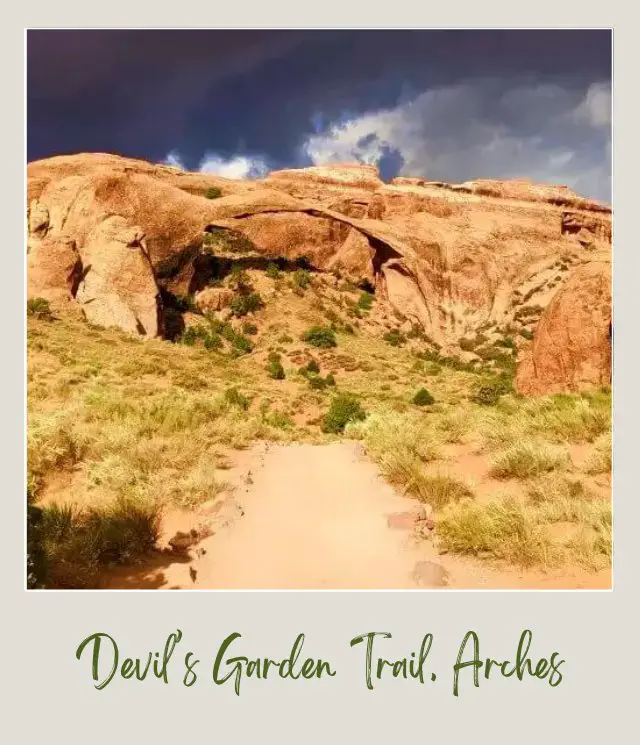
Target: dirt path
(317,517)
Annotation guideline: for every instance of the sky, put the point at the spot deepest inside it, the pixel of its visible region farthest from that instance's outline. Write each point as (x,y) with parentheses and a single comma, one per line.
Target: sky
(440,105)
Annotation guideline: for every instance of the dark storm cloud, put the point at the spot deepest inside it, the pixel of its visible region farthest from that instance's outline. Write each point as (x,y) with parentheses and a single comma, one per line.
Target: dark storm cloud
(441,103)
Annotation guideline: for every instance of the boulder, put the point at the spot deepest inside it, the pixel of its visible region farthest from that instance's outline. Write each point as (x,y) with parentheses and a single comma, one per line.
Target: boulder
(54,269)
(571,349)
(214,299)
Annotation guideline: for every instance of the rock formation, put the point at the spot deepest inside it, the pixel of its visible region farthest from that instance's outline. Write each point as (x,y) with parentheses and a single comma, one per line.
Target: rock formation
(117,236)
(571,350)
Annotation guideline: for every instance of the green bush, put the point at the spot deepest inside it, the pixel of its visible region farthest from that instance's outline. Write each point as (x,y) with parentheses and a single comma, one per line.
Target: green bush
(39,308)
(330,380)
(241,305)
(489,391)
(423,398)
(208,337)
(249,328)
(320,336)
(212,342)
(312,367)
(301,278)
(272,271)
(365,301)
(344,408)
(239,280)
(274,367)
(507,342)
(235,398)
(317,383)
(395,337)
(526,334)
(213,192)
(241,344)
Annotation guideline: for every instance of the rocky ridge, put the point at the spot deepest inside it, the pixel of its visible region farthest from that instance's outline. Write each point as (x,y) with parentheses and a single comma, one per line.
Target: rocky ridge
(122,237)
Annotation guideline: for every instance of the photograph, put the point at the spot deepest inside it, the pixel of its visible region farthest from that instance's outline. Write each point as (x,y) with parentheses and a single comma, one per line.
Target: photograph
(318,309)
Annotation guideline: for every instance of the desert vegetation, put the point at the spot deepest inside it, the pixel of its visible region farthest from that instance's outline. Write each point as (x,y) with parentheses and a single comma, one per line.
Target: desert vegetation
(122,431)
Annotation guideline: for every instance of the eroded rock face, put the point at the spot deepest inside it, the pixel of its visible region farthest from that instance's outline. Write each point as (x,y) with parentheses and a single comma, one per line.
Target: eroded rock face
(118,287)
(572,347)
(448,257)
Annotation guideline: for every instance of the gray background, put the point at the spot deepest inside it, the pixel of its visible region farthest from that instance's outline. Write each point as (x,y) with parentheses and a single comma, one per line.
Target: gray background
(50,694)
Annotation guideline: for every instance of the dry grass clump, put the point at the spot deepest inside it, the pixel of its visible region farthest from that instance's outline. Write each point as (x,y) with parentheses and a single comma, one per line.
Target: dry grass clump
(440,490)
(601,460)
(74,544)
(505,529)
(528,458)
(559,418)
(400,443)
(458,425)
(522,532)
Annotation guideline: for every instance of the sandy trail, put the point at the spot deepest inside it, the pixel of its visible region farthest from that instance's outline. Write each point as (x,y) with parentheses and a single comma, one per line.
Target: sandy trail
(316,517)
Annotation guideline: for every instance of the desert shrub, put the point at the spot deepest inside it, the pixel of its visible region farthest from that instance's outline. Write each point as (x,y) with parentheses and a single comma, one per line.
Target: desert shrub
(240,344)
(395,337)
(330,380)
(506,342)
(224,240)
(417,332)
(344,408)
(272,271)
(212,342)
(249,328)
(316,382)
(239,279)
(467,345)
(311,368)
(489,391)
(235,398)
(423,398)
(274,367)
(213,192)
(38,307)
(285,339)
(365,301)
(432,369)
(320,336)
(194,334)
(526,334)
(279,420)
(301,278)
(489,353)
(243,304)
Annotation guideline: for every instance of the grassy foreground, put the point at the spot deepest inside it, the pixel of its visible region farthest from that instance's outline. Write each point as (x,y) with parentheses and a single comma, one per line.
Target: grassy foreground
(120,429)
